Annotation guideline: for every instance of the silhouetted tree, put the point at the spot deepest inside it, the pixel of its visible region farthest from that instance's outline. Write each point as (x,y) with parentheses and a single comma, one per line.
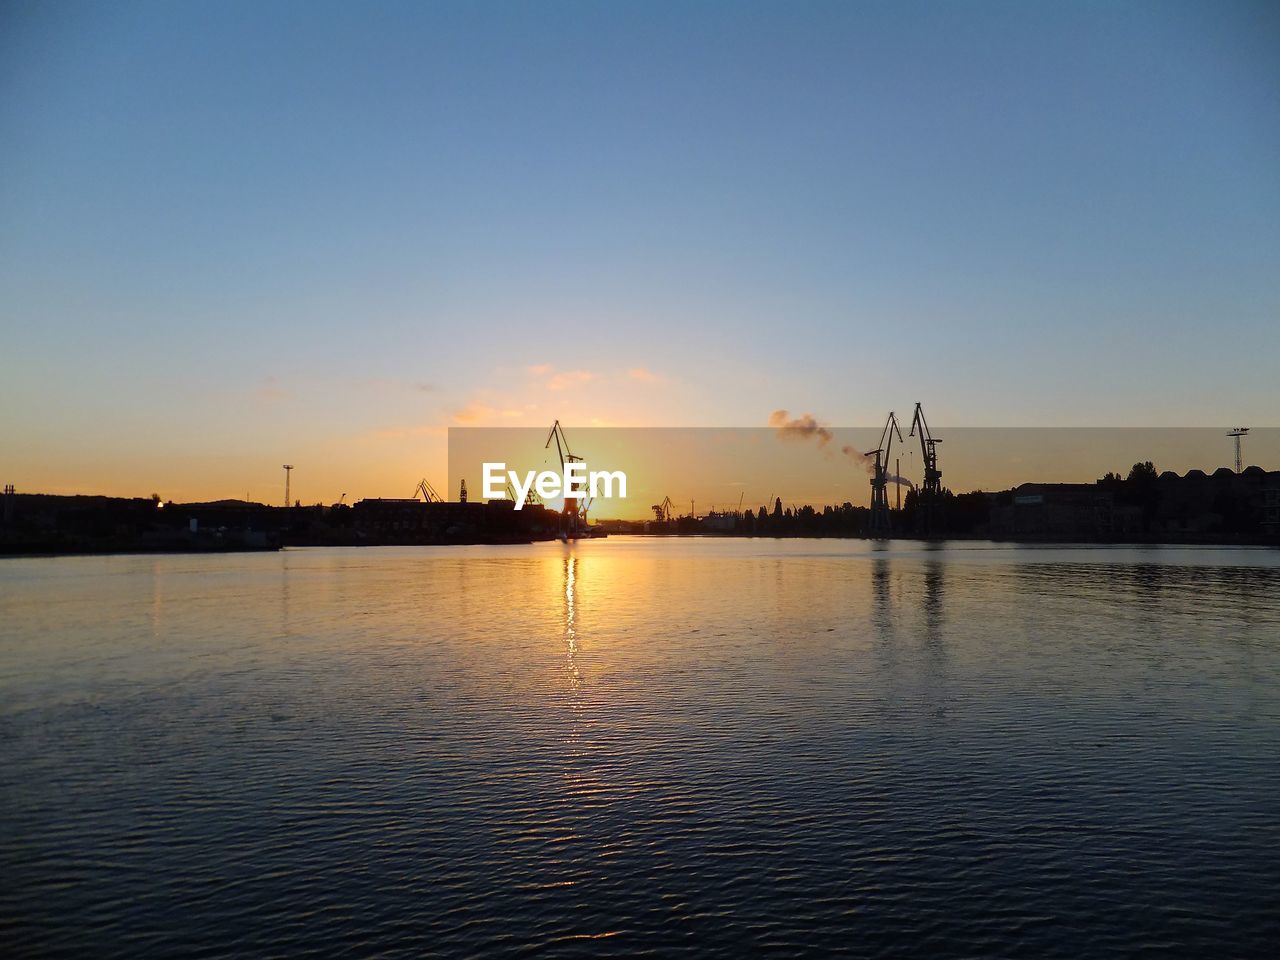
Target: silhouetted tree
(1140,488)
(1142,473)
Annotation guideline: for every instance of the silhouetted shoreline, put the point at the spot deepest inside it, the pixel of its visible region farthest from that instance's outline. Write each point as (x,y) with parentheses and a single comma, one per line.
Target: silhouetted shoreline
(1225,507)
(1222,508)
(47,525)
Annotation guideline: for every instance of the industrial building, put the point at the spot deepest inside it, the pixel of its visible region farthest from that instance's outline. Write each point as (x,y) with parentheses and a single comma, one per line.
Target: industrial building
(1195,506)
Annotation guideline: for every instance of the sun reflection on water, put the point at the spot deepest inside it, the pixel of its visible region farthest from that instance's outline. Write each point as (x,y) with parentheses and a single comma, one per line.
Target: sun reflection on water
(570,621)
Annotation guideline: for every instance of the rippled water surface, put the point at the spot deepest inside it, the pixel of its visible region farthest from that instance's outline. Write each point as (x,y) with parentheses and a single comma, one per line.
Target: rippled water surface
(636,746)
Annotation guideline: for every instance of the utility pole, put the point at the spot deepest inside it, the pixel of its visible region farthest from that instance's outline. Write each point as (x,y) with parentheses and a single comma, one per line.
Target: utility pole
(288,468)
(1237,433)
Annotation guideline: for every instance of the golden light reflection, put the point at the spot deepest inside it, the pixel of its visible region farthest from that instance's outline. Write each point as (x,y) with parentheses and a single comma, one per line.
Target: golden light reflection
(157,596)
(574,749)
(570,620)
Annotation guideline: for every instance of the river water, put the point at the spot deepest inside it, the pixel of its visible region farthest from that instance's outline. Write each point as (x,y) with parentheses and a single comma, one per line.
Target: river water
(631,746)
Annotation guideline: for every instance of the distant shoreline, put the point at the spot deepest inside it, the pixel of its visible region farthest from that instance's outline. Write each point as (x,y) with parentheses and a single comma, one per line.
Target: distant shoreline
(107,551)
(1196,509)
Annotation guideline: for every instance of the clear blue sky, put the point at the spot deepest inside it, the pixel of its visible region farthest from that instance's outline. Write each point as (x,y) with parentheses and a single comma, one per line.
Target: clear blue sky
(233,234)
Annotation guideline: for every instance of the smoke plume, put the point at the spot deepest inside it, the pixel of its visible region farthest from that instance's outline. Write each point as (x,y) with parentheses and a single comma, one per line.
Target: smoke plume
(868,462)
(865,460)
(801,428)
(806,426)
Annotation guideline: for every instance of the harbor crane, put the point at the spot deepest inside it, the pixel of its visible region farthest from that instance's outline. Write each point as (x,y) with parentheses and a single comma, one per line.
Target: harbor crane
(931,492)
(664,512)
(880,480)
(428,492)
(574,513)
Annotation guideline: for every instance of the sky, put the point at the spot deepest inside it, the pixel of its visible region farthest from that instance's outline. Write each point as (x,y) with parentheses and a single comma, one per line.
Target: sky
(234,235)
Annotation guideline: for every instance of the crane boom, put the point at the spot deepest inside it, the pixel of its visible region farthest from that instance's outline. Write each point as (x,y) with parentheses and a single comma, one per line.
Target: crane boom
(886,436)
(562,445)
(428,492)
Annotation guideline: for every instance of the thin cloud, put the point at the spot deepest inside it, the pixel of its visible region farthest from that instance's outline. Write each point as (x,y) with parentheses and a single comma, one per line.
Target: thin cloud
(474,412)
(570,378)
(405,433)
(644,375)
(270,391)
(385,385)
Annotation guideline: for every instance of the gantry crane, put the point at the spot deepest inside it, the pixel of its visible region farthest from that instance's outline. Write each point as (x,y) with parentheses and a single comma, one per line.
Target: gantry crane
(428,492)
(931,492)
(879,480)
(663,512)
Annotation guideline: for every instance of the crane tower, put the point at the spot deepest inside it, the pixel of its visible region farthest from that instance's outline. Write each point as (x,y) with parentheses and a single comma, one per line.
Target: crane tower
(931,491)
(880,525)
(574,514)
